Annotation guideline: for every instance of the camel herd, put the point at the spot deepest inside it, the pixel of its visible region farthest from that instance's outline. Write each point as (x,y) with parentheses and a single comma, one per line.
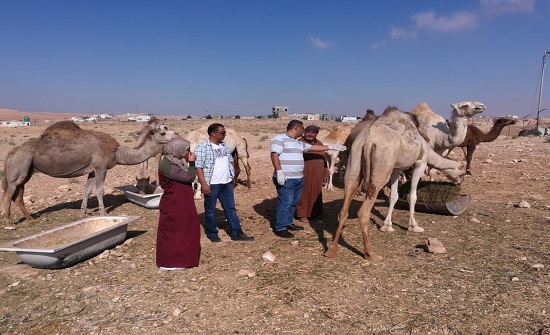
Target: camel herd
(379,149)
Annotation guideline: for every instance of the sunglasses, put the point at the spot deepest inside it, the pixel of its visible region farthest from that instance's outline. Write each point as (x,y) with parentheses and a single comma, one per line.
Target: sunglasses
(222,133)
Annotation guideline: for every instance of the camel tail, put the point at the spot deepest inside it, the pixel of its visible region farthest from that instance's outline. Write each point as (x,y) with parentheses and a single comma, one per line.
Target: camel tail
(367,186)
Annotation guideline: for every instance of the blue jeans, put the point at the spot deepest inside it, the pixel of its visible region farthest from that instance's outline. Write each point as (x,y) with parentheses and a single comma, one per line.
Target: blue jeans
(224,192)
(289,195)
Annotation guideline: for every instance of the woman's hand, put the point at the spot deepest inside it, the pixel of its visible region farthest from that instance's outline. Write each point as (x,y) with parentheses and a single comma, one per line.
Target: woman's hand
(192,157)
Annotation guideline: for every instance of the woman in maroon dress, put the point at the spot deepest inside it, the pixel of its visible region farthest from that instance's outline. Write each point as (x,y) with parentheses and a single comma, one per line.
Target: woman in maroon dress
(178,236)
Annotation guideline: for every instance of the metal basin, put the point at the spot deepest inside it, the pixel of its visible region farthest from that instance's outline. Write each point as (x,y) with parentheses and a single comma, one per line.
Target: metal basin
(151,201)
(67,245)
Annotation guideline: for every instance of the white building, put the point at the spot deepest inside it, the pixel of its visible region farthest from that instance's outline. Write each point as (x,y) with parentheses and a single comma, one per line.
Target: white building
(15,124)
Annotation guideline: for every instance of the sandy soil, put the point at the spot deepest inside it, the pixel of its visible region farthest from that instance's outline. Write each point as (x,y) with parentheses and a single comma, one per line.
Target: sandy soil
(494,278)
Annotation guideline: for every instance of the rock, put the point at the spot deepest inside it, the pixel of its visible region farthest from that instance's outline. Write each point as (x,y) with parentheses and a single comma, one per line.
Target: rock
(475,220)
(435,246)
(515,279)
(244,272)
(294,243)
(523,204)
(537,266)
(176,312)
(488,161)
(268,256)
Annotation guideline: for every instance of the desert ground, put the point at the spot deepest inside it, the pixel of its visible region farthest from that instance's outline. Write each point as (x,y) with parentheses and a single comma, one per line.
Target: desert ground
(493,279)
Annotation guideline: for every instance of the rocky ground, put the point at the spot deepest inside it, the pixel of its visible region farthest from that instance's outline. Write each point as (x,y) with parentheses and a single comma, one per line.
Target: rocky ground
(493,279)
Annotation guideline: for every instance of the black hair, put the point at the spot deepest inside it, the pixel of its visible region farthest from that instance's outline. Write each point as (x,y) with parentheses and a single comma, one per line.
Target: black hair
(214,127)
(294,123)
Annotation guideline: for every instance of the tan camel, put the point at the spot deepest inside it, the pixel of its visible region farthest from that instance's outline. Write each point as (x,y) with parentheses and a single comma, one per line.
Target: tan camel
(65,150)
(337,134)
(379,153)
(368,119)
(237,144)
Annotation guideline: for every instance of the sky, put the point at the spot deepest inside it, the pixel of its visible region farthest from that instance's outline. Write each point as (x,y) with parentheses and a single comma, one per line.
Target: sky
(243,57)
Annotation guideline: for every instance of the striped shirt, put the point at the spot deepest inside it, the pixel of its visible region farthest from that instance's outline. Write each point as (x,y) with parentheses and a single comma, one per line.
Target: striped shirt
(291,155)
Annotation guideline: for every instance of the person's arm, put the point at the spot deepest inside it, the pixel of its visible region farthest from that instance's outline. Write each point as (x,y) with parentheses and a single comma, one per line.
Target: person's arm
(320,148)
(205,188)
(275,161)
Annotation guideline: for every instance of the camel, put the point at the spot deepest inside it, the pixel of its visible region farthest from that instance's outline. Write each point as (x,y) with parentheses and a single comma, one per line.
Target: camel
(441,135)
(337,134)
(65,150)
(475,136)
(379,153)
(368,119)
(435,130)
(237,144)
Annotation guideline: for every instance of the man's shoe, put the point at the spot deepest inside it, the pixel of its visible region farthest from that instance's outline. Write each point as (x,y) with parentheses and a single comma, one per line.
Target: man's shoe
(215,239)
(284,233)
(294,227)
(242,237)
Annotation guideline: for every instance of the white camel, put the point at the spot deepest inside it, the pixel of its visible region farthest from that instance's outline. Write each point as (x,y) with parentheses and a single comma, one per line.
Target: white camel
(379,153)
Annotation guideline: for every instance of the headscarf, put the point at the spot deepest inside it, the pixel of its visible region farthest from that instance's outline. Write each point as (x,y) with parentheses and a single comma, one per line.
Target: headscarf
(175,149)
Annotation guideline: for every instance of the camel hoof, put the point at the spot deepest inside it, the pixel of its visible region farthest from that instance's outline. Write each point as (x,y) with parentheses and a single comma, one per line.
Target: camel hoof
(387,229)
(416,229)
(9,227)
(331,253)
(373,257)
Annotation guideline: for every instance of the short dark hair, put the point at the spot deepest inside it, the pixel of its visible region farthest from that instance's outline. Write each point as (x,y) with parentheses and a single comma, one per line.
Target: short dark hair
(214,127)
(294,123)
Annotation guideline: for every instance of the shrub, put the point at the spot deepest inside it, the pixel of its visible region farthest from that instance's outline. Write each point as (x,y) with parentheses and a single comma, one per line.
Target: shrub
(431,192)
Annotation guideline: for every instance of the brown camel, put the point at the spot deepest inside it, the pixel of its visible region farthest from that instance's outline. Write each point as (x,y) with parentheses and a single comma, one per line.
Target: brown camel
(379,153)
(475,136)
(65,150)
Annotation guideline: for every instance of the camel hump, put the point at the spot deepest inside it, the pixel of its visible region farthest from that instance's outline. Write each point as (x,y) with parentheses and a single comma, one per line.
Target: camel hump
(65,130)
(421,108)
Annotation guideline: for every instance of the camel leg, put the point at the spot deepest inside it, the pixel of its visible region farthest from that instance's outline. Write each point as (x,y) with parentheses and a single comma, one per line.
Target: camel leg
(88,187)
(198,191)
(349,189)
(100,190)
(469,155)
(364,220)
(417,173)
(18,199)
(236,167)
(14,188)
(387,227)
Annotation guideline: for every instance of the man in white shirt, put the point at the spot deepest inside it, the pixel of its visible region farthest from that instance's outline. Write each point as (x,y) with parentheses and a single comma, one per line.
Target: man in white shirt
(215,173)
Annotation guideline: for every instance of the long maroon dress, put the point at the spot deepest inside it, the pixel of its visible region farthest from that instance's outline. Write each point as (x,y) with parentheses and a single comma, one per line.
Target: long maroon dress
(178,236)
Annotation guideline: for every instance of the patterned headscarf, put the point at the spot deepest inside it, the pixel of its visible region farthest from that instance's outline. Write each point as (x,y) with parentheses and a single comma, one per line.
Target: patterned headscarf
(175,149)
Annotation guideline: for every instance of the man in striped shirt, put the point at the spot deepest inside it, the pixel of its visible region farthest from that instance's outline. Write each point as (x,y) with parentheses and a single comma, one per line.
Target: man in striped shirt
(287,157)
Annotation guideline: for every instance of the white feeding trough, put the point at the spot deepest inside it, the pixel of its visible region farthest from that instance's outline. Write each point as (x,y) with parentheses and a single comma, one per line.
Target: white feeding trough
(146,200)
(67,245)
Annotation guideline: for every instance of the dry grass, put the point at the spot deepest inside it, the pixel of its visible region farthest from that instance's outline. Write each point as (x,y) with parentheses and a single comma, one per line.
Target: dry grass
(486,283)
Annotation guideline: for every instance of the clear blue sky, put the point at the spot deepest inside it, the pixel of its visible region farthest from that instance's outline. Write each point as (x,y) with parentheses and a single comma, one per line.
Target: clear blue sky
(242,57)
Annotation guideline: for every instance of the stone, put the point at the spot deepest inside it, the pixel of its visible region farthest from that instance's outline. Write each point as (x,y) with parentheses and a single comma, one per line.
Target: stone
(435,246)
(524,204)
(268,256)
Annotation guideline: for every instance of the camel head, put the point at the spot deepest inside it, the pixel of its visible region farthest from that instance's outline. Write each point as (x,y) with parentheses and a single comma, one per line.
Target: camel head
(504,122)
(468,108)
(456,175)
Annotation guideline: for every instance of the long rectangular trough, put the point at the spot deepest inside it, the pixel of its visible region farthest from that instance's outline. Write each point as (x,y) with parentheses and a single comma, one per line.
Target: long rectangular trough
(67,245)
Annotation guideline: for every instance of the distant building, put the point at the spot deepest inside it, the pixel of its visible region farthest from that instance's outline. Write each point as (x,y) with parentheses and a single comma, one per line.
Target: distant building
(15,124)
(280,111)
(327,117)
(311,117)
(350,119)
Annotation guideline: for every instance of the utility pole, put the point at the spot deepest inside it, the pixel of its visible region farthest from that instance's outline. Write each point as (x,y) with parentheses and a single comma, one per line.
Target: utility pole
(540,88)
